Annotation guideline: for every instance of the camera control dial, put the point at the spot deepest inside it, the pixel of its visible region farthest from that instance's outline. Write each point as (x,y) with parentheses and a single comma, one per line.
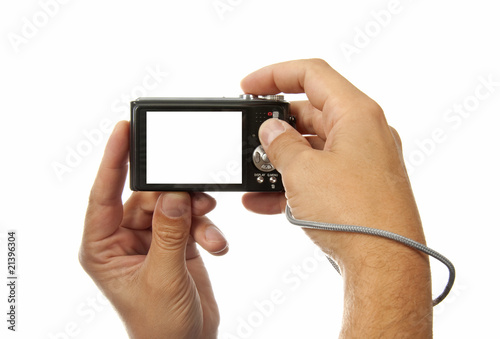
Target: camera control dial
(274,97)
(261,161)
(247,96)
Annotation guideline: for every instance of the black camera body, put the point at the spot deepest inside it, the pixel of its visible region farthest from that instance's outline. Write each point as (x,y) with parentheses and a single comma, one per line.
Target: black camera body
(203,144)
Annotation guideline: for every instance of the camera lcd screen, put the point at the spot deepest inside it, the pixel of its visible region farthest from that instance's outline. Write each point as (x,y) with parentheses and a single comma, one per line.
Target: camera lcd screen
(194,147)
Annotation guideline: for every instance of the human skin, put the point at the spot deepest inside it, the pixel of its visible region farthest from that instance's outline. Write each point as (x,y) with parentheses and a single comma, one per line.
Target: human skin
(348,170)
(143,254)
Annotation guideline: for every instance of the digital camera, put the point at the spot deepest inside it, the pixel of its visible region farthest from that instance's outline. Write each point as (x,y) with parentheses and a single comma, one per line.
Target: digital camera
(203,144)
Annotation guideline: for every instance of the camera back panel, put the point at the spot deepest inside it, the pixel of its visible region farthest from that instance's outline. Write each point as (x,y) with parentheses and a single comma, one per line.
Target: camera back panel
(202,144)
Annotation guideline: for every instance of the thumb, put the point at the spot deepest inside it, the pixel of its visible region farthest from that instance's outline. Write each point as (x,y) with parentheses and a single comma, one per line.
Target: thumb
(170,233)
(282,143)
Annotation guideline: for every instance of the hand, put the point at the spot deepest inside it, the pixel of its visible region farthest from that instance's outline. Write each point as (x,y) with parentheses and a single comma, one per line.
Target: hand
(349,170)
(143,255)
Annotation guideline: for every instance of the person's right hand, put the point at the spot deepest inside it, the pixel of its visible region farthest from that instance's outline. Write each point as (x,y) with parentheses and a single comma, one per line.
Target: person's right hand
(348,170)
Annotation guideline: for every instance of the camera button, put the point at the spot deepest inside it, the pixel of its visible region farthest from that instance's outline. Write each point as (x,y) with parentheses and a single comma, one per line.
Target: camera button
(272,180)
(260,179)
(275,97)
(261,160)
(247,96)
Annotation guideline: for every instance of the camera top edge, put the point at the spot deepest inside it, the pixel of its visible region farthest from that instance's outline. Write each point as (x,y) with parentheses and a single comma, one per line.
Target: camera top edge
(241,98)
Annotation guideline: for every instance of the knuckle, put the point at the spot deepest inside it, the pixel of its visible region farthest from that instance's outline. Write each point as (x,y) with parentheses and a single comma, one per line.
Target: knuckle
(374,109)
(285,148)
(317,66)
(278,153)
(396,136)
(82,258)
(170,237)
(85,257)
(304,157)
(318,62)
(371,111)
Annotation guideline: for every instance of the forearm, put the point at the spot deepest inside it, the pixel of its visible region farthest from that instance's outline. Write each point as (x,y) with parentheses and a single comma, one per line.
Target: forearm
(387,294)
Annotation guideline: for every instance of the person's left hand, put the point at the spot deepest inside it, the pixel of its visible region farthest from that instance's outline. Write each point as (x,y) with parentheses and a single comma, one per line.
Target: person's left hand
(143,254)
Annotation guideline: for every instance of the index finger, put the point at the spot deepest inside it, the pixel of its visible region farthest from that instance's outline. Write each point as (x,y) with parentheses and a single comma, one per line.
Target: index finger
(105,210)
(326,89)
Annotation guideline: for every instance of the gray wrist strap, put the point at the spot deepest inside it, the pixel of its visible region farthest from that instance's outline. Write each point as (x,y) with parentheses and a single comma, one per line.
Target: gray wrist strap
(380,233)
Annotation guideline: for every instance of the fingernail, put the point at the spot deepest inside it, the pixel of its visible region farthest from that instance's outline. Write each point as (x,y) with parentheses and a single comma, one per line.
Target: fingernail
(212,234)
(173,205)
(270,130)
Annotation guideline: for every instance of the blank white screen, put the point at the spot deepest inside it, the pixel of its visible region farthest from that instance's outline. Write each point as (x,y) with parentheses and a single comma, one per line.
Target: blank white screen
(194,147)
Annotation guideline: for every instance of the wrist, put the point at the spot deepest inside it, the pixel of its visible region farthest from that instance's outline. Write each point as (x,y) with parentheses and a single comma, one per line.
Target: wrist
(387,291)
(362,251)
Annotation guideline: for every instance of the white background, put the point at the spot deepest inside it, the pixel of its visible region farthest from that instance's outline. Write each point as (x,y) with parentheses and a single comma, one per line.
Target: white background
(194,147)
(75,74)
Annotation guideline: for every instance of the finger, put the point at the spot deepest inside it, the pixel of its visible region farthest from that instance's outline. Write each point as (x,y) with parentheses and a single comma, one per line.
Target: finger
(209,236)
(315,142)
(264,203)
(105,211)
(282,143)
(170,235)
(326,89)
(138,210)
(192,251)
(309,120)
(202,203)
